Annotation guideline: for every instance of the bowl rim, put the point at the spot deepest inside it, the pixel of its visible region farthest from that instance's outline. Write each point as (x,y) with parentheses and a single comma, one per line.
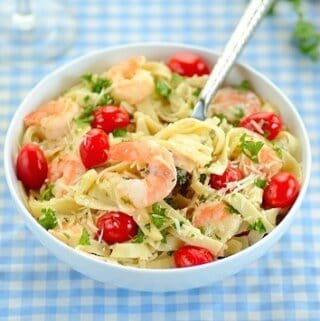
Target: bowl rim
(216,264)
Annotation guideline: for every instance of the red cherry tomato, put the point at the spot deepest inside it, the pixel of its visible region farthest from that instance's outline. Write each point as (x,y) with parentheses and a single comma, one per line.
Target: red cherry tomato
(281,191)
(116,227)
(110,118)
(231,174)
(94,148)
(270,123)
(32,167)
(188,64)
(190,255)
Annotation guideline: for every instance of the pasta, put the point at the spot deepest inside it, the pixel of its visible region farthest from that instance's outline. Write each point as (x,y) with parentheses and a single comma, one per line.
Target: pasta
(175,181)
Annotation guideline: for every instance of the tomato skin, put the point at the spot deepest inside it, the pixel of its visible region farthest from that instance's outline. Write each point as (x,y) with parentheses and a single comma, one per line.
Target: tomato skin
(188,64)
(110,118)
(271,123)
(190,255)
(94,148)
(231,174)
(116,227)
(31,166)
(282,190)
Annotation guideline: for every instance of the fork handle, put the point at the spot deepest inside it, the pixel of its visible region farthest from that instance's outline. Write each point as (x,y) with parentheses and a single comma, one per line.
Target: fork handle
(247,24)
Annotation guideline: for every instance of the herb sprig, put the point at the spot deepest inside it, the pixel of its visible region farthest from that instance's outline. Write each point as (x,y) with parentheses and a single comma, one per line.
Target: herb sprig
(250,148)
(48,218)
(258,226)
(158,215)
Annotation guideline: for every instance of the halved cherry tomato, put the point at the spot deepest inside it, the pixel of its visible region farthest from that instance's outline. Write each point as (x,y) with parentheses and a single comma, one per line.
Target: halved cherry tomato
(281,191)
(116,227)
(32,166)
(188,64)
(231,174)
(94,148)
(110,118)
(263,123)
(190,255)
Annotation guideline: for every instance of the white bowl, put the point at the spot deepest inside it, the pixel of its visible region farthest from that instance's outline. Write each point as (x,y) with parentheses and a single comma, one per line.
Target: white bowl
(129,277)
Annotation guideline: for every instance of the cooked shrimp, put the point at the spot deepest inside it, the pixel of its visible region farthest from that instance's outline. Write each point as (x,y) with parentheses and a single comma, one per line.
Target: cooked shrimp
(131,83)
(160,177)
(206,213)
(64,171)
(53,118)
(235,104)
(268,164)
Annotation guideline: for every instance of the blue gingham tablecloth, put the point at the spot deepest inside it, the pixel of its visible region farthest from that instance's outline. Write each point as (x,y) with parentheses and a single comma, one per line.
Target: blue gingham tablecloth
(282,285)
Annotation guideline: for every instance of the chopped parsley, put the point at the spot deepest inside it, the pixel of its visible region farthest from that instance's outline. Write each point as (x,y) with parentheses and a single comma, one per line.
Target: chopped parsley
(176,78)
(182,176)
(202,198)
(119,132)
(250,148)
(196,92)
(85,237)
(47,193)
(162,88)
(221,118)
(278,150)
(48,218)
(96,83)
(86,116)
(261,183)
(158,215)
(244,86)
(232,210)
(139,238)
(202,178)
(106,99)
(126,201)
(258,226)
(164,234)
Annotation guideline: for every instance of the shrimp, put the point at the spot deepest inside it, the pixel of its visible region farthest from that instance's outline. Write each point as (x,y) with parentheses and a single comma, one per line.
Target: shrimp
(64,171)
(268,164)
(235,104)
(53,118)
(160,176)
(131,83)
(216,220)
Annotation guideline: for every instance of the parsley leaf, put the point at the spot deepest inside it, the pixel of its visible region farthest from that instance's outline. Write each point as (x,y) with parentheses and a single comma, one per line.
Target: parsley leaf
(162,88)
(48,218)
(244,86)
(176,78)
(106,99)
(258,226)
(119,132)
(278,150)
(164,234)
(196,92)
(47,193)
(158,215)
(86,116)
(139,238)
(261,183)
(96,83)
(85,237)
(250,148)
(182,176)
(232,210)
(221,118)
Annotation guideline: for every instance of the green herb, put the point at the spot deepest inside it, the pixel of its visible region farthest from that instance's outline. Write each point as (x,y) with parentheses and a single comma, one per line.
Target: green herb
(139,238)
(106,100)
(176,78)
(250,148)
(85,237)
(258,226)
(196,92)
(182,176)
(244,86)
(221,118)
(239,114)
(278,150)
(47,193)
(232,210)
(86,116)
(48,218)
(158,215)
(202,198)
(164,234)
(67,235)
(162,88)
(170,201)
(202,178)
(261,183)
(148,226)
(96,83)
(126,201)
(119,132)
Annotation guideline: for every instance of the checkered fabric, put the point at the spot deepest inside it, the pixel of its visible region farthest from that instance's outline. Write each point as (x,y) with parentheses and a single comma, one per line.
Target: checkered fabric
(282,285)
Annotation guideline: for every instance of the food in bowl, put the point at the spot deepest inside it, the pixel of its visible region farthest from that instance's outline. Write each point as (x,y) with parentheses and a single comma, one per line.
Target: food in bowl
(114,167)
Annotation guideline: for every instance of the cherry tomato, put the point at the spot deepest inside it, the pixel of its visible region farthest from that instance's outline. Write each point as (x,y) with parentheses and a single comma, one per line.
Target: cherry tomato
(116,227)
(32,166)
(231,174)
(190,255)
(188,64)
(110,118)
(94,148)
(270,124)
(281,191)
